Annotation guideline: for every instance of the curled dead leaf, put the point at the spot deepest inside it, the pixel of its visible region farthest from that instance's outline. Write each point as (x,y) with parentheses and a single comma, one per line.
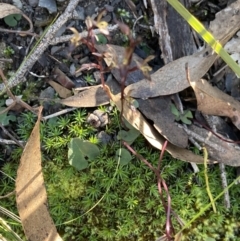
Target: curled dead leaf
(94,96)
(62,91)
(212,101)
(171,78)
(8,9)
(31,195)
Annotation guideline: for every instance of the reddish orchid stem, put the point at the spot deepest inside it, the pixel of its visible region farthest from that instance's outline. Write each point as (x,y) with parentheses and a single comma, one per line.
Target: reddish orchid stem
(160,181)
(140,157)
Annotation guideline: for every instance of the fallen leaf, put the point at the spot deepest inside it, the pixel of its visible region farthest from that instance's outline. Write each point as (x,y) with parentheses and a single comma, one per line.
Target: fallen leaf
(62,91)
(159,111)
(8,9)
(61,78)
(135,118)
(94,96)
(212,101)
(171,78)
(31,195)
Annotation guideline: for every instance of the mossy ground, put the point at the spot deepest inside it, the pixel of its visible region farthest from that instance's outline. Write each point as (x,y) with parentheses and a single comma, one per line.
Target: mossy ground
(131,209)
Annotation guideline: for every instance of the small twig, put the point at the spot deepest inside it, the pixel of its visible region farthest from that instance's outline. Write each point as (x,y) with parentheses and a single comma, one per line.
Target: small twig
(224,185)
(6,60)
(202,139)
(135,22)
(16,100)
(8,176)
(62,112)
(10,142)
(15,141)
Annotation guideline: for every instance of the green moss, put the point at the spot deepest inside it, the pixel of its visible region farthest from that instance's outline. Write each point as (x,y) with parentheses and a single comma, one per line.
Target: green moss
(131,209)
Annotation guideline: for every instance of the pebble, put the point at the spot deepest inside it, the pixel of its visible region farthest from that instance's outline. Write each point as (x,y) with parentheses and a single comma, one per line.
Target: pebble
(90,9)
(33,3)
(80,13)
(50,5)
(103,137)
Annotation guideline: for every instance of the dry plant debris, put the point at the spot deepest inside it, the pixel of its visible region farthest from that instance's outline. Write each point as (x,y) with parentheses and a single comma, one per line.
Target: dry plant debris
(31,195)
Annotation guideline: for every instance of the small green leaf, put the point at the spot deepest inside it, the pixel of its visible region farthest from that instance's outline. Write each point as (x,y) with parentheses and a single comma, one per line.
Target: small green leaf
(188,114)
(5,118)
(101,39)
(128,136)
(185,120)
(177,118)
(81,152)
(124,156)
(174,110)
(12,19)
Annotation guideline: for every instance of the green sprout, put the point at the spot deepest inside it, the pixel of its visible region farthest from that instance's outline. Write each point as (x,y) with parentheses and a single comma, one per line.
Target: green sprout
(8,52)
(12,19)
(90,80)
(184,117)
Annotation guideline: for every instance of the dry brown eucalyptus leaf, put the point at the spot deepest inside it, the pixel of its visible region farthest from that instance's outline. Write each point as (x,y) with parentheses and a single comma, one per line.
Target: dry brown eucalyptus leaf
(8,9)
(94,96)
(61,78)
(227,153)
(159,111)
(31,195)
(212,101)
(135,118)
(62,91)
(171,78)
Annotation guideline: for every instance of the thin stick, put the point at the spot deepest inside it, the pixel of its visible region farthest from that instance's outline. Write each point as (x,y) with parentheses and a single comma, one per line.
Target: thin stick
(62,112)
(15,141)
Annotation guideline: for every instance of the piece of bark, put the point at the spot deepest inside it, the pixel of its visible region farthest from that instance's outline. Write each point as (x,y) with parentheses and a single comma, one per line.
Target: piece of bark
(175,38)
(181,39)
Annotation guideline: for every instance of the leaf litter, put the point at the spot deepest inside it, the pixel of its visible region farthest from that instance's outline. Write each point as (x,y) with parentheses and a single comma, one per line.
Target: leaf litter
(153,98)
(31,195)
